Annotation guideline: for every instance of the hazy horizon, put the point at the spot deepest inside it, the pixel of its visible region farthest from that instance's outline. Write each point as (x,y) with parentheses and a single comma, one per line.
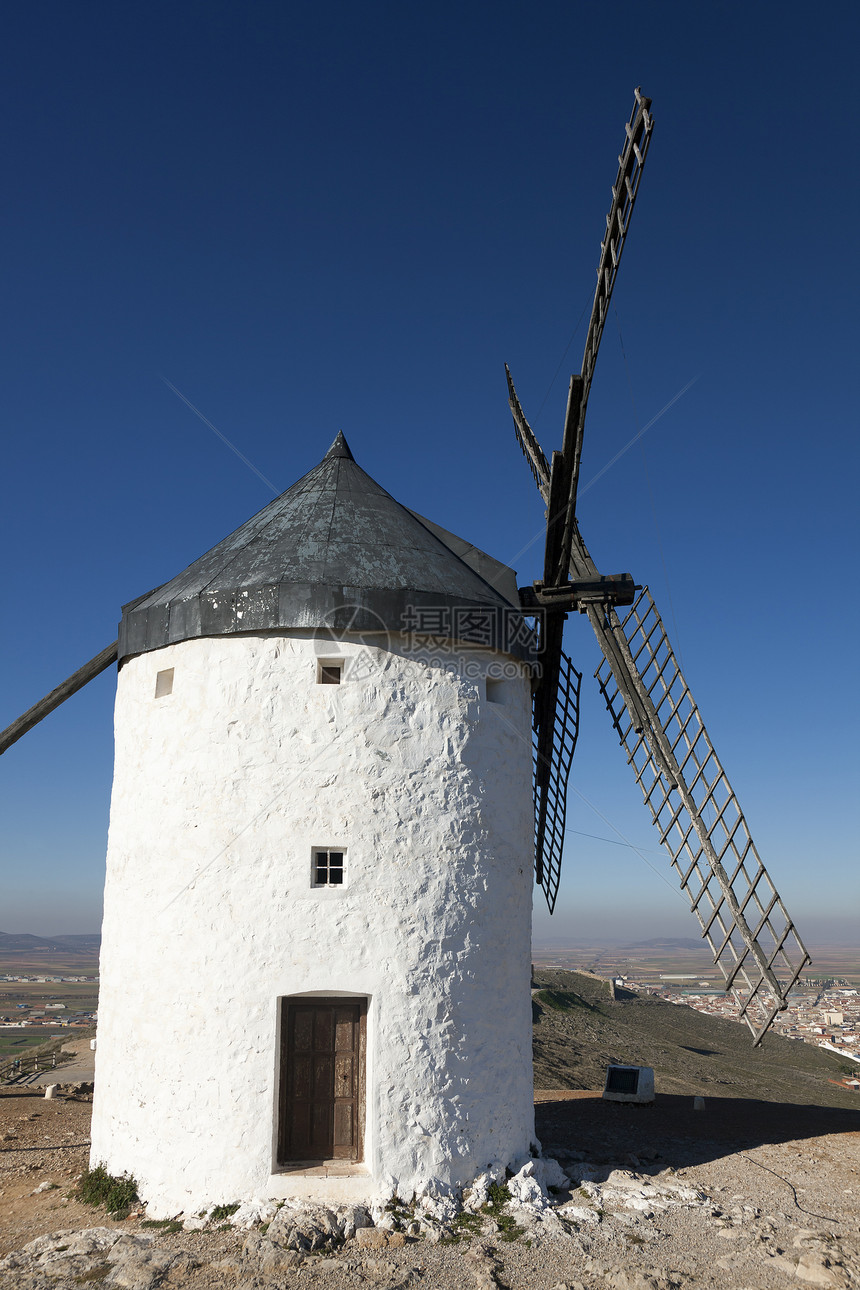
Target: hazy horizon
(820,933)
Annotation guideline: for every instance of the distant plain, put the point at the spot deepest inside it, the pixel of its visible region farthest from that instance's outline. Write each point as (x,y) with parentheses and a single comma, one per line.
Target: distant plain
(682,957)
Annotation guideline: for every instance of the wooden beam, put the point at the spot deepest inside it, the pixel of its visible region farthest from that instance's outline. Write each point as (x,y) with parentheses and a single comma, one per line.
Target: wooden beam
(70,686)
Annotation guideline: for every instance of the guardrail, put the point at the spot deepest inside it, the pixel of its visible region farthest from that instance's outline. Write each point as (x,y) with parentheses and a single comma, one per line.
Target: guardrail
(14,1069)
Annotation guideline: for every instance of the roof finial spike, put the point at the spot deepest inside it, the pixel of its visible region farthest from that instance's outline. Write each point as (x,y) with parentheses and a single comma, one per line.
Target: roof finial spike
(340,448)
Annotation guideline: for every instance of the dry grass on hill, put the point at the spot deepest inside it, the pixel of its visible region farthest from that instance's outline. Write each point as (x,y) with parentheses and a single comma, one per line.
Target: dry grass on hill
(579,1030)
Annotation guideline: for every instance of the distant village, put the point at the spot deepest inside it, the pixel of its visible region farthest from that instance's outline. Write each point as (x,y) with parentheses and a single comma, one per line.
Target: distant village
(18,1016)
(821,1011)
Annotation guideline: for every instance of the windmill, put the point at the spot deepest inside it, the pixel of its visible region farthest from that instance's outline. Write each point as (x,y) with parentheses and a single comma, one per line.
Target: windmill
(319,860)
(752,938)
(318,879)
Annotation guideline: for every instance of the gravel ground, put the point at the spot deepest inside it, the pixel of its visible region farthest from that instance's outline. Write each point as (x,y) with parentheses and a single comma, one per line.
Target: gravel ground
(743,1195)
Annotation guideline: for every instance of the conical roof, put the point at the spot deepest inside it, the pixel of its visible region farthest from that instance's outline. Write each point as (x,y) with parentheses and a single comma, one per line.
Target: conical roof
(334,551)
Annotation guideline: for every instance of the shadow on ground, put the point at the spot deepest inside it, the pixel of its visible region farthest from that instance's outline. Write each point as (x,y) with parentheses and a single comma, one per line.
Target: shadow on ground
(669,1133)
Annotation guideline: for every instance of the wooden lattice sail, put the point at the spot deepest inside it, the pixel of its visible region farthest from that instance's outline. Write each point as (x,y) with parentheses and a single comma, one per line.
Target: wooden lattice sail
(752,938)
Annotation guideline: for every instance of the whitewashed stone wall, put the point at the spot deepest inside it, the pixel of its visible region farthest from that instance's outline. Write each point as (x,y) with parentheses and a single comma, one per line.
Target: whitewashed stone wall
(221,789)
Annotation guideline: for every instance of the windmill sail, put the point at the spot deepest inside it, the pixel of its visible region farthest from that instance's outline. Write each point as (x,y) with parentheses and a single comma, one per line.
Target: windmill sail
(742,917)
(555,732)
(70,686)
(630,163)
(752,938)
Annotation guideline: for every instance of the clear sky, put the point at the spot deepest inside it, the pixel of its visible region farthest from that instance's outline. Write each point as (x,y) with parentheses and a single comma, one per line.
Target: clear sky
(337,216)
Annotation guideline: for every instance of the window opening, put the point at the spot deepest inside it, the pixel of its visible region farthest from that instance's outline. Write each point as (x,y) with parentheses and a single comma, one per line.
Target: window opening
(164,683)
(329,868)
(495,690)
(329,673)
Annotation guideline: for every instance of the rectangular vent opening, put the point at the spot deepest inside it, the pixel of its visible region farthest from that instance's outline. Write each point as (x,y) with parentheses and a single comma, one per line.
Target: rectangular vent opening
(495,690)
(164,683)
(329,673)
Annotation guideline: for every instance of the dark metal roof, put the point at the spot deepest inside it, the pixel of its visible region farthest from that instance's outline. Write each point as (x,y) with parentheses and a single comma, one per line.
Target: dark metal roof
(334,551)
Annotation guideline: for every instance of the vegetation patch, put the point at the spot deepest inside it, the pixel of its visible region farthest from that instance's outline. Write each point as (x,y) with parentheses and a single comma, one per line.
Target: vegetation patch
(98,1187)
(220,1212)
(166,1225)
(498,1198)
(402,1211)
(469,1221)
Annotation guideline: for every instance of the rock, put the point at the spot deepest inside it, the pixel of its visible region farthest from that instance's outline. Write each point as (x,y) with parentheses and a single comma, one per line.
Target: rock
(551,1224)
(301,1227)
(92,1240)
(252,1212)
(580,1214)
(526,1189)
(51,1091)
(808,1236)
(128,1245)
(351,1218)
(818,1271)
(476,1196)
(45,1186)
(194,1223)
(180,1269)
(437,1203)
(273,1259)
(371,1238)
(140,1269)
(549,1172)
(232,1263)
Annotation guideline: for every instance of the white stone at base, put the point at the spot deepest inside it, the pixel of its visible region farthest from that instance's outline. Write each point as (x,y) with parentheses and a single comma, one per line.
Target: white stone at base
(221,790)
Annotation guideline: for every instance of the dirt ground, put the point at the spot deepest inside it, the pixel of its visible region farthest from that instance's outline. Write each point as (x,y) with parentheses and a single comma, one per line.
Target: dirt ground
(779,1187)
(41,1141)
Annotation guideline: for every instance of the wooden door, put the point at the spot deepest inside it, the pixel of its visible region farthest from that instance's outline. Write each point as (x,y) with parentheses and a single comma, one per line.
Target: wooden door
(322,1078)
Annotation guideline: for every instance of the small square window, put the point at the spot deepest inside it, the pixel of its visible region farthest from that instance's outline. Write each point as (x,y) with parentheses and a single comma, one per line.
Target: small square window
(329,673)
(328,868)
(164,683)
(495,690)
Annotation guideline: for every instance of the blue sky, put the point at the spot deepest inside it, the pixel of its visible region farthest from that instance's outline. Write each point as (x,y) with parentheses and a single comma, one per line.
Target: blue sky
(321,217)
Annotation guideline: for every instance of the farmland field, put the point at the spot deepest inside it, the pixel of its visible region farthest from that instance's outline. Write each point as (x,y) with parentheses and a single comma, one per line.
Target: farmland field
(20,999)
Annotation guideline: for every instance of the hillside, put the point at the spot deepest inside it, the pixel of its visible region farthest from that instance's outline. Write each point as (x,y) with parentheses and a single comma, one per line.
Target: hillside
(579,1030)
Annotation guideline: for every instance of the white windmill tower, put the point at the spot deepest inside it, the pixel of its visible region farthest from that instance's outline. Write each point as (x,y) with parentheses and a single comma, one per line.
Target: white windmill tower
(316,942)
(315,964)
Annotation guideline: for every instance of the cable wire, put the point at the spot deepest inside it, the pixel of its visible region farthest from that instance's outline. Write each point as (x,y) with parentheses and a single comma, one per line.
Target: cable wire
(827,1218)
